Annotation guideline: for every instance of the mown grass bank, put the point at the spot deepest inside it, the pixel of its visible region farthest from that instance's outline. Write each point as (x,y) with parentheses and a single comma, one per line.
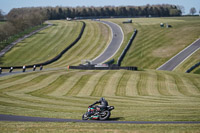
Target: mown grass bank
(137,95)
(154,45)
(48,43)
(13,38)
(44,45)
(32,127)
(95,39)
(197,70)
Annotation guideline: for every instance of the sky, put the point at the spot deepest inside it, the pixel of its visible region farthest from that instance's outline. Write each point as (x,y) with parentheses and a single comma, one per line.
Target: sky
(7,5)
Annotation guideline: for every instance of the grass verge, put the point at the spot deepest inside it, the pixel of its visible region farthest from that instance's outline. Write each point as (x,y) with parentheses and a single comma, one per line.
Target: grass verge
(136,95)
(30,127)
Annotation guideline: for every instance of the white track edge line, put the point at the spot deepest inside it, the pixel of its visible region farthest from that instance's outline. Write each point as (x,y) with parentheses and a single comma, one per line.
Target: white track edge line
(108,43)
(111,41)
(177,54)
(186,58)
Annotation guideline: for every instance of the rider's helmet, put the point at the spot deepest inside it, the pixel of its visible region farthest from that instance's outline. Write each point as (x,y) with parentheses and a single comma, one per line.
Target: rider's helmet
(102,99)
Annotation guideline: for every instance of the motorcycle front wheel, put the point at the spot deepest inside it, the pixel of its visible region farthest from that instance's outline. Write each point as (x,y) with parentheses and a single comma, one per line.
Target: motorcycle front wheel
(104,115)
(84,117)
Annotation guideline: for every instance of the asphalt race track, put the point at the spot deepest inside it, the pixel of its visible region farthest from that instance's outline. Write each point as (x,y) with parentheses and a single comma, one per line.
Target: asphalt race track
(40,119)
(180,57)
(37,70)
(113,47)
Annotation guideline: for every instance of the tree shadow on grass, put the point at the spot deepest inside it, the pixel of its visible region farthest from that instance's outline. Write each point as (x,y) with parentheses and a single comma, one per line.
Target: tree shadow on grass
(41,32)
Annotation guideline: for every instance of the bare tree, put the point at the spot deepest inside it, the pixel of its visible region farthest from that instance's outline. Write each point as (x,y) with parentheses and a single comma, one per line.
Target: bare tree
(181,8)
(1,15)
(193,11)
(18,20)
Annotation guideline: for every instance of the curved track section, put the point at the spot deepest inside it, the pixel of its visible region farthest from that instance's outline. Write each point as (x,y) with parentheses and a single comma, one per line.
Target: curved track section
(40,119)
(180,57)
(113,47)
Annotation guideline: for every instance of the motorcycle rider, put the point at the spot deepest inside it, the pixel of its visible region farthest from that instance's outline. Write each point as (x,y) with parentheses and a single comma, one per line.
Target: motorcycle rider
(103,104)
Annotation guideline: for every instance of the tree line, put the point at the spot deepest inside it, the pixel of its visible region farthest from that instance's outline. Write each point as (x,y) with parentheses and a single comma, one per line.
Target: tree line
(122,11)
(1,15)
(20,19)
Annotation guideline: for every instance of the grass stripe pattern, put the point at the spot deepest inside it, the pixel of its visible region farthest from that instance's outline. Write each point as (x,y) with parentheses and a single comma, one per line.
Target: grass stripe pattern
(137,95)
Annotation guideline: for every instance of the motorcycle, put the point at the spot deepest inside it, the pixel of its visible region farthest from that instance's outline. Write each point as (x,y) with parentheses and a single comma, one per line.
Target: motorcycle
(93,114)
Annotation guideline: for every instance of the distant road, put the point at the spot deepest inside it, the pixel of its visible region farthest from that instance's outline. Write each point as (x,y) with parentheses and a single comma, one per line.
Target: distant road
(111,120)
(113,47)
(181,56)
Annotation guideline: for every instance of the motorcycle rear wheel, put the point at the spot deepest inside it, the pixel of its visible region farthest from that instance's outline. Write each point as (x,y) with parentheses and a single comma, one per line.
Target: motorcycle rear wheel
(106,115)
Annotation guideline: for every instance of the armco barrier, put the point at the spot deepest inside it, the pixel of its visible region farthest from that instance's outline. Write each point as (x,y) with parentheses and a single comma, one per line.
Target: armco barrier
(103,68)
(110,62)
(126,48)
(55,58)
(193,67)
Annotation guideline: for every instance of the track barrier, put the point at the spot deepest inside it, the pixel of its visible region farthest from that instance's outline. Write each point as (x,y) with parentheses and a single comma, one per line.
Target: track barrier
(126,48)
(92,67)
(193,67)
(110,62)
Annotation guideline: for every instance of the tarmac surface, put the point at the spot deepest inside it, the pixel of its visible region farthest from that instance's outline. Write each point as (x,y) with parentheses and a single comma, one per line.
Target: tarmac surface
(37,70)
(112,120)
(113,47)
(12,73)
(180,57)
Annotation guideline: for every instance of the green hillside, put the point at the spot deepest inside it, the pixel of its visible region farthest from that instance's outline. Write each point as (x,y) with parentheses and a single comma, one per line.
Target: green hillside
(137,95)
(44,45)
(95,39)
(50,42)
(147,95)
(154,45)
(51,127)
